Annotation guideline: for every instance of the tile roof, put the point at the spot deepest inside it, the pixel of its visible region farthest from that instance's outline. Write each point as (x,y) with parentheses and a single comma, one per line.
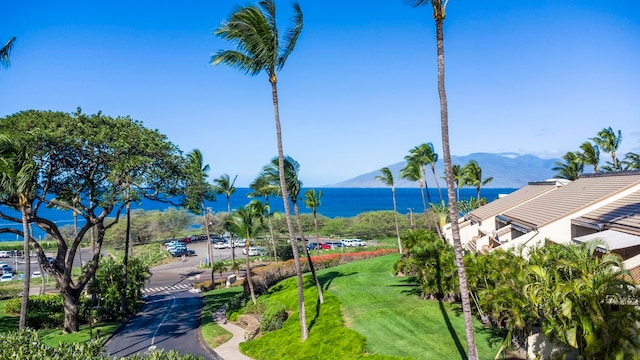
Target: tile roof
(586,190)
(623,214)
(513,199)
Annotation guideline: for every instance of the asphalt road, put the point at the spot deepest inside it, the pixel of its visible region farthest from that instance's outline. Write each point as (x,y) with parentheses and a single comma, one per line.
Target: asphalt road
(170,318)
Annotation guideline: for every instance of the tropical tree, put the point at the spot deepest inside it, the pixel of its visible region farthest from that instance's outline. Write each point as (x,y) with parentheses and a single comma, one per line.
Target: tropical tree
(5,52)
(473,176)
(570,168)
(259,48)
(243,223)
(224,185)
(18,190)
(609,141)
(586,301)
(312,200)
(198,190)
(631,161)
(590,155)
(458,178)
(386,178)
(439,7)
(83,164)
(294,186)
(262,187)
(421,155)
(412,172)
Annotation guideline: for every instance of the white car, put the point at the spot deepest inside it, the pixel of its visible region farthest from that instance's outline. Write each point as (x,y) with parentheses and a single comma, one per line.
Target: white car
(221,245)
(6,277)
(253,251)
(36,274)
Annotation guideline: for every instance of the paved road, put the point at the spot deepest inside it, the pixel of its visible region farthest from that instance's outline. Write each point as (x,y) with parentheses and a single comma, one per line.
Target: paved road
(170,317)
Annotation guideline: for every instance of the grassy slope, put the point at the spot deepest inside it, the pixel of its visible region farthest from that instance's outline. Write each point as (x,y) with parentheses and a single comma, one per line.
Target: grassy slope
(213,334)
(389,319)
(388,312)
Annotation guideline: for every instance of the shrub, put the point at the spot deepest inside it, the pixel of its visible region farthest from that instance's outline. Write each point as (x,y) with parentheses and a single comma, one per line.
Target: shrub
(273,317)
(9,293)
(43,311)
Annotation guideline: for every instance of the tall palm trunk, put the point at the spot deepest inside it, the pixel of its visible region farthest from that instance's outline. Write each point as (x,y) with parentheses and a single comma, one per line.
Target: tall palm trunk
(233,244)
(304,331)
(248,265)
(424,176)
(27,270)
(306,251)
(424,205)
(395,215)
(209,247)
(433,170)
(453,211)
(273,239)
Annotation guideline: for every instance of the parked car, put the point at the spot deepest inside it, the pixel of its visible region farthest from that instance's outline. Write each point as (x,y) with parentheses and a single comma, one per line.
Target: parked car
(185,252)
(334,244)
(221,245)
(174,248)
(36,274)
(6,277)
(174,242)
(318,246)
(347,243)
(358,242)
(253,251)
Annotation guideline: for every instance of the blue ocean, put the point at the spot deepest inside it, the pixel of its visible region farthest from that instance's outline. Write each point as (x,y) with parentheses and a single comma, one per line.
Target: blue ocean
(335,202)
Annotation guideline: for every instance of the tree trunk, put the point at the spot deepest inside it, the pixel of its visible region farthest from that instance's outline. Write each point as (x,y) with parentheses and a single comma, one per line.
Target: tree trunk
(249,282)
(209,247)
(273,238)
(125,261)
(27,271)
(306,251)
(395,215)
(70,301)
(433,170)
(426,186)
(304,331)
(453,211)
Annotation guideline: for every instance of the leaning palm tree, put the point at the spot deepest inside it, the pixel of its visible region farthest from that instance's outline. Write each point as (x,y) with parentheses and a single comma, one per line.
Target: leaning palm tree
(259,48)
(458,178)
(5,52)
(312,200)
(387,179)
(609,141)
(439,7)
(432,158)
(294,186)
(473,176)
(421,155)
(590,155)
(262,187)
(570,168)
(631,161)
(224,185)
(18,190)
(412,172)
(243,224)
(199,190)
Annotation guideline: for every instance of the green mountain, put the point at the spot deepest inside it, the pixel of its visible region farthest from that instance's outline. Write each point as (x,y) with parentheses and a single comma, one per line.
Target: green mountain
(508,170)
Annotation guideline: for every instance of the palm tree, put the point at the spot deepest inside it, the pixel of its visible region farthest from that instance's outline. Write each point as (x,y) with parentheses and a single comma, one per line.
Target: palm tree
(5,52)
(458,178)
(242,223)
(312,200)
(571,168)
(294,186)
(200,190)
(631,161)
(262,187)
(473,176)
(18,184)
(609,141)
(590,155)
(421,155)
(439,7)
(259,49)
(412,172)
(387,179)
(224,185)
(432,159)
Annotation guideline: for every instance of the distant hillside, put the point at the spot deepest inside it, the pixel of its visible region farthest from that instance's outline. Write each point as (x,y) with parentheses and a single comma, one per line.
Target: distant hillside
(508,170)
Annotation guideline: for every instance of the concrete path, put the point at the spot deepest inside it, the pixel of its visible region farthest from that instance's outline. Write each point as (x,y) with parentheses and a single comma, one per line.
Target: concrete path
(229,350)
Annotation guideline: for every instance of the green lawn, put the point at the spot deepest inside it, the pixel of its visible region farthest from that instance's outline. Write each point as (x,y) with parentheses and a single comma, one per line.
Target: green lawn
(388,312)
(213,334)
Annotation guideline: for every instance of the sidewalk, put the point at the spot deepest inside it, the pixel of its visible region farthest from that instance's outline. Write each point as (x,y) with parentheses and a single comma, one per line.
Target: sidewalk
(229,350)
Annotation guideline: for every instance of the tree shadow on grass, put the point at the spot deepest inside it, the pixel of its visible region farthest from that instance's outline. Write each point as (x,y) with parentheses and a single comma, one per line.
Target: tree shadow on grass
(327,278)
(452,331)
(9,323)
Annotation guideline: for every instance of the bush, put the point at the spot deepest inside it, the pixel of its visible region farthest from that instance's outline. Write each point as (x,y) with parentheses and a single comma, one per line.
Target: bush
(43,311)
(273,317)
(9,293)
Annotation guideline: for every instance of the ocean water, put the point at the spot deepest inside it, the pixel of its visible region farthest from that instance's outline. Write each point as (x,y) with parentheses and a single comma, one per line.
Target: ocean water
(335,202)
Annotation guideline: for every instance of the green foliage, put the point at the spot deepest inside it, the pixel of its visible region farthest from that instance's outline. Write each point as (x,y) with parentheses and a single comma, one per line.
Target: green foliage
(273,316)
(107,285)
(26,345)
(43,311)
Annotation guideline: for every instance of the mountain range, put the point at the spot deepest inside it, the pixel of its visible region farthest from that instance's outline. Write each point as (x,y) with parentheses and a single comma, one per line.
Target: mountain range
(509,170)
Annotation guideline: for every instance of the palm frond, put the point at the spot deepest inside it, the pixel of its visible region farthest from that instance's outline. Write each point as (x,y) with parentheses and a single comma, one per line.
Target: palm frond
(291,36)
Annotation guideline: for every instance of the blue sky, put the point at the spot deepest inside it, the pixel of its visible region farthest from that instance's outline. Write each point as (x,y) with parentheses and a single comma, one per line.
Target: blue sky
(537,77)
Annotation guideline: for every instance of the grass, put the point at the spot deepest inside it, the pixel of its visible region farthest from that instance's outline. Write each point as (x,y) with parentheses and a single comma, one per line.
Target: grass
(8,322)
(368,313)
(213,334)
(53,337)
